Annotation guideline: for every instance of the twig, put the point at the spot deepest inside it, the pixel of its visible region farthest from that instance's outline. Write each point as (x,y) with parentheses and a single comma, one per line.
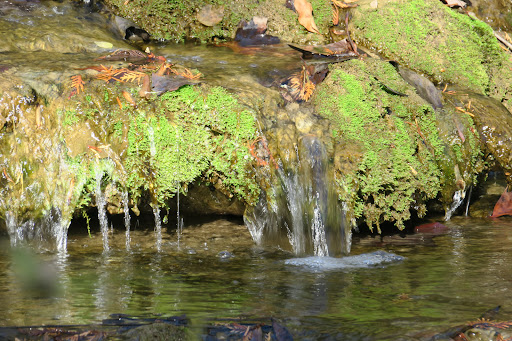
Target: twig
(503,40)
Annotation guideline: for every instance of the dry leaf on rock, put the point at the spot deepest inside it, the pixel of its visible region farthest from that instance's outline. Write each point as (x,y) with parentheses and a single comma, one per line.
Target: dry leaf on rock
(305,11)
(163,84)
(343,4)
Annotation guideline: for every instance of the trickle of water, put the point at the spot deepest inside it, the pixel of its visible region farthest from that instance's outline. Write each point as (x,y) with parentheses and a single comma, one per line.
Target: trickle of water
(458,198)
(101,204)
(15,231)
(179,224)
(59,229)
(124,198)
(468,201)
(318,234)
(294,192)
(158,227)
(151,138)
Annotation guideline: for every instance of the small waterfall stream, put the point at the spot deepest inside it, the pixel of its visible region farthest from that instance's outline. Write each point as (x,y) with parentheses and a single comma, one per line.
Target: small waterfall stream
(101,204)
(158,227)
(306,208)
(126,209)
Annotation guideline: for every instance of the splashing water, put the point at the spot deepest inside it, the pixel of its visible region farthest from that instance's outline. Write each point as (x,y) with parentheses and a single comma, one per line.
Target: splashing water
(52,227)
(59,229)
(101,204)
(124,198)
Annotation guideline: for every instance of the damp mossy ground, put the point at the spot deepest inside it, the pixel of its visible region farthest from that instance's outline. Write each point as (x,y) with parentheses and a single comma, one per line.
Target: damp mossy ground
(176,20)
(399,157)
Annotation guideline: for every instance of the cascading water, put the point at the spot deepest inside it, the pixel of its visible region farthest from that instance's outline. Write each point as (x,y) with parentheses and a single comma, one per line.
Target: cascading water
(126,209)
(304,208)
(158,227)
(52,227)
(101,204)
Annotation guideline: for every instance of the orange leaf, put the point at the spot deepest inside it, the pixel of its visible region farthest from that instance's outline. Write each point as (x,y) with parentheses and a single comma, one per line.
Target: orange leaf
(305,11)
(335,16)
(504,205)
(77,84)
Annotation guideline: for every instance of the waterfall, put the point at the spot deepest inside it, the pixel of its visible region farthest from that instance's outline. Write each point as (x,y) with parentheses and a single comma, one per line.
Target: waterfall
(126,209)
(158,227)
(179,223)
(52,227)
(59,228)
(458,198)
(101,204)
(303,212)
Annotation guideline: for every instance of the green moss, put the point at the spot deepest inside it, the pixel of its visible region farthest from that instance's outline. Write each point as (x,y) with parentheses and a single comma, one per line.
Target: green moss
(401,152)
(195,134)
(68,117)
(433,39)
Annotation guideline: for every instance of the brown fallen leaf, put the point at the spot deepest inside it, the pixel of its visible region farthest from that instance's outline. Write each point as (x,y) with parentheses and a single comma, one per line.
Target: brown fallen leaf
(343,4)
(146,87)
(504,205)
(128,97)
(305,11)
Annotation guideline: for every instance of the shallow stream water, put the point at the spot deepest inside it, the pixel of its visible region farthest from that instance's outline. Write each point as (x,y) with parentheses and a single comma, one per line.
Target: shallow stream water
(445,280)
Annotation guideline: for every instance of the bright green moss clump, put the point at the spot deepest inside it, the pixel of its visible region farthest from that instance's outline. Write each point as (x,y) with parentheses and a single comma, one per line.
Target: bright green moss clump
(194,135)
(431,38)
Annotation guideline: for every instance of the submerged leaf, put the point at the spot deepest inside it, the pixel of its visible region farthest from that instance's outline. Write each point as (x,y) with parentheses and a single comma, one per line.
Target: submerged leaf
(282,334)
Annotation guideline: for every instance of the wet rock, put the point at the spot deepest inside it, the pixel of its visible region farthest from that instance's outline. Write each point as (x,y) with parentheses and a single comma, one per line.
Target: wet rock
(253,33)
(224,255)
(493,122)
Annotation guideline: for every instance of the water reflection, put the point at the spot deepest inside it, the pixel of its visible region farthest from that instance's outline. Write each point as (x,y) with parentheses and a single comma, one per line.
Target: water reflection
(450,279)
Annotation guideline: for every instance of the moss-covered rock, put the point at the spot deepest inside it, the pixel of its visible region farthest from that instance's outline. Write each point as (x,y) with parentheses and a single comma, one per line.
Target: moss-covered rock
(433,39)
(393,153)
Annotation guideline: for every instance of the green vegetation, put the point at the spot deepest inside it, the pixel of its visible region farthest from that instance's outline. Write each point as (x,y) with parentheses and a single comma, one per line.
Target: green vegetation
(176,20)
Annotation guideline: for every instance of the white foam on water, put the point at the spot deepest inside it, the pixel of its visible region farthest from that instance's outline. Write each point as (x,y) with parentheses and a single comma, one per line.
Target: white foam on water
(365,260)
